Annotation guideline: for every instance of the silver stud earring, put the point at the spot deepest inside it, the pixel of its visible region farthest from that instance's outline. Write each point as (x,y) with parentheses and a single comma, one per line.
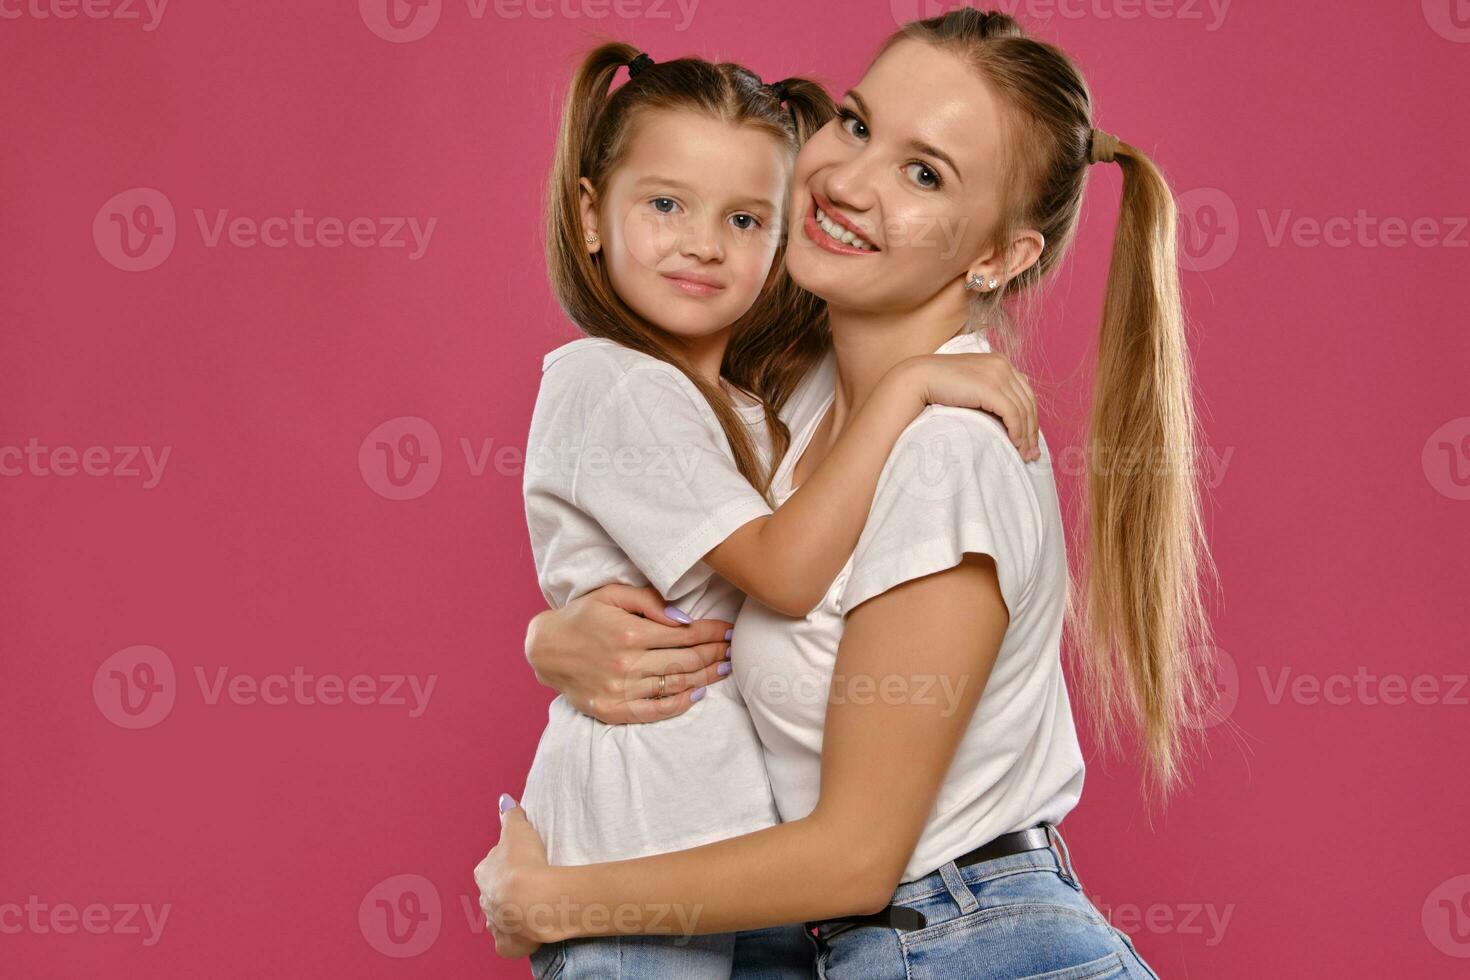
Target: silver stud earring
(979,282)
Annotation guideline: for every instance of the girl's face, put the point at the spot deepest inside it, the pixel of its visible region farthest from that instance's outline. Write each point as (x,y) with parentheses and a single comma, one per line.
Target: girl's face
(689,221)
(897,199)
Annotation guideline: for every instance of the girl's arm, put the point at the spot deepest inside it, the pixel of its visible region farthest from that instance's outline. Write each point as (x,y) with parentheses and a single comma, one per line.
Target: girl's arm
(883,762)
(789,559)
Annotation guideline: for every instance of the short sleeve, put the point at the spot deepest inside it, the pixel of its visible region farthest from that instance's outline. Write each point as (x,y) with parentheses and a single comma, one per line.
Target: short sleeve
(953,485)
(655,470)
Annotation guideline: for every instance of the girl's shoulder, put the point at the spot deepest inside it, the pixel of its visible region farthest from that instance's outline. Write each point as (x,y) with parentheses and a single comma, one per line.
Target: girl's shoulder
(602,357)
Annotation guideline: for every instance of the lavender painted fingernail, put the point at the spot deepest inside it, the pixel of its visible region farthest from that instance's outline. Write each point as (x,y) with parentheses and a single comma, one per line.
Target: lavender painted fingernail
(729,633)
(677,614)
(506,802)
(723,668)
(698,693)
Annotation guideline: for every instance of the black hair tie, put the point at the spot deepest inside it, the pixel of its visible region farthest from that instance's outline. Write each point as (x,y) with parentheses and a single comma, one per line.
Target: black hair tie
(779,89)
(641,63)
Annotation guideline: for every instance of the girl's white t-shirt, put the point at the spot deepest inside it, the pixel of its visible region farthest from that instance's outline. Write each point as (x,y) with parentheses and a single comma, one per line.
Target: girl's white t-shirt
(629,478)
(954,484)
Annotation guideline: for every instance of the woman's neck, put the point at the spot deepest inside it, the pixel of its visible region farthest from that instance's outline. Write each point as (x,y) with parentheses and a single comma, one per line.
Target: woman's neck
(868,345)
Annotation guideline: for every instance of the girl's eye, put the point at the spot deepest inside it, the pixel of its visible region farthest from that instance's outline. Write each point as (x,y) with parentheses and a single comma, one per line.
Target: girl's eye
(745,222)
(665,205)
(923,175)
(855,127)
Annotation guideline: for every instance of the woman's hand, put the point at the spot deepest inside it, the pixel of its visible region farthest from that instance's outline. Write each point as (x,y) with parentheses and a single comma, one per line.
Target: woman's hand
(983,381)
(605,651)
(506,877)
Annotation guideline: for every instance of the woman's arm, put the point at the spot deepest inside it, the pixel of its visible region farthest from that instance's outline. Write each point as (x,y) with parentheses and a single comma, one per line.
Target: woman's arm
(883,761)
(606,650)
(789,559)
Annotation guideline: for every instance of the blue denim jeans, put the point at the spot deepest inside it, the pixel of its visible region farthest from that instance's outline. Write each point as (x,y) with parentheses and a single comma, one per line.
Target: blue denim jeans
(777,953)
(1020,917)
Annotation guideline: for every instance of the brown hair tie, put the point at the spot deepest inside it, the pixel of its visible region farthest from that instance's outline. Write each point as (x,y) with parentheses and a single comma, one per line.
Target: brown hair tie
(1102,148)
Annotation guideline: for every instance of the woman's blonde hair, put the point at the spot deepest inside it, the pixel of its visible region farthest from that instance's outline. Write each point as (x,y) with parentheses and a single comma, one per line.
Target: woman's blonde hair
(1141,624)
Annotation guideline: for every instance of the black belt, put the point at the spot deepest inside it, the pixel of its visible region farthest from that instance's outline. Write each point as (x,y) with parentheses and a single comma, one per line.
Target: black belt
(906,919)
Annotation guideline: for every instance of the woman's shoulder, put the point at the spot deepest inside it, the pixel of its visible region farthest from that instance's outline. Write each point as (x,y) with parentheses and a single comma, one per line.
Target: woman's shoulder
(950,453)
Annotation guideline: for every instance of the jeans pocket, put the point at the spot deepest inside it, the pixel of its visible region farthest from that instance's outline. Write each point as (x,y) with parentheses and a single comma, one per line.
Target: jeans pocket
(1128,941)
(548,961)
(1111,965)
(1020,939)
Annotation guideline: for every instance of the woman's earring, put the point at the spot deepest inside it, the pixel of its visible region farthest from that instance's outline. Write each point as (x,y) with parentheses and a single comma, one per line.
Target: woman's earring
(977,282)
(592,239)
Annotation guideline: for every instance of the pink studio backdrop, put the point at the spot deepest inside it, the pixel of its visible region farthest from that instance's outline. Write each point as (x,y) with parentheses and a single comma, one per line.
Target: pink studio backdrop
(260,691)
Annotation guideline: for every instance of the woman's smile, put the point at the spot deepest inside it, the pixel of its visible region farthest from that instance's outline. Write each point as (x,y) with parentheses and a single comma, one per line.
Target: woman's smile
(829,229)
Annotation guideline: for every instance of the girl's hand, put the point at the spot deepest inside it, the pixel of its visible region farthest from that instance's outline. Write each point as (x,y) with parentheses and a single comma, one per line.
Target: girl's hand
(508,880)
(984,381)
(605,651)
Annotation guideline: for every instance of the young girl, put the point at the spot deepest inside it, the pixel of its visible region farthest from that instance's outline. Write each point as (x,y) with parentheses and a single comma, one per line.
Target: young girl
(645,466)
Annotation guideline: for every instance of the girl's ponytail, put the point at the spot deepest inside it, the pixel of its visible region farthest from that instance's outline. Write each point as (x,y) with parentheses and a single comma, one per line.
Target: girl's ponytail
(574,274)
(809,104)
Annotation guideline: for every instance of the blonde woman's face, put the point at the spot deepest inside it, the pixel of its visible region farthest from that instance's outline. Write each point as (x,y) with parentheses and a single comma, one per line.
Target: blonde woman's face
(690,221)
(895,199)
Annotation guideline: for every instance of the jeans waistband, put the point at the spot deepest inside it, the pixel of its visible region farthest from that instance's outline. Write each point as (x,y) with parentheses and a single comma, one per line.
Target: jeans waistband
(949,877)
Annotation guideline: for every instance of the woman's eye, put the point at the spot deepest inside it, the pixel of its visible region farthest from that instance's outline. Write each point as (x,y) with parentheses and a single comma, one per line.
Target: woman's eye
(665,205)
(923,175)
(745,222)
(854,126)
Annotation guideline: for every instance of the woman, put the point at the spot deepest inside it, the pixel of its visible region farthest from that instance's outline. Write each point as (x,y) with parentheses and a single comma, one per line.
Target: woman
(922,826)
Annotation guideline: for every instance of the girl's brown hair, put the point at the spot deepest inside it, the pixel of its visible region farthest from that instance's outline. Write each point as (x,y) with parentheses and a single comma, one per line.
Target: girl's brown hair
(1141,623)
(596,128)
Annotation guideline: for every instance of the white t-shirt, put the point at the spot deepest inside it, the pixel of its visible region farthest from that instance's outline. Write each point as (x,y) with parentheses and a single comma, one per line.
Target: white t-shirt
(629,478)
(954,484)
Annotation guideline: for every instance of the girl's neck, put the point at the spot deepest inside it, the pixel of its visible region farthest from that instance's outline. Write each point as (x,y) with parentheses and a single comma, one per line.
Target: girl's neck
(703,354)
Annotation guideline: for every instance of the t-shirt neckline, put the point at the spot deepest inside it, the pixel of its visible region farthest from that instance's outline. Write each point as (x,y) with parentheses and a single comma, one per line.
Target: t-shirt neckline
(799,444)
